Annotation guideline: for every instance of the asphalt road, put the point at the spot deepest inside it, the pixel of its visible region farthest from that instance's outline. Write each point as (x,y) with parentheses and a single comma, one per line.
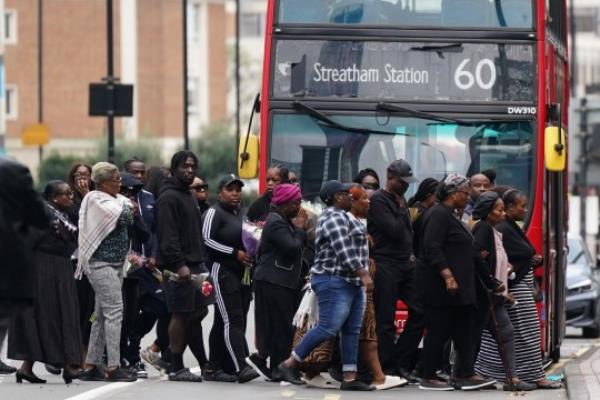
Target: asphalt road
(157,387)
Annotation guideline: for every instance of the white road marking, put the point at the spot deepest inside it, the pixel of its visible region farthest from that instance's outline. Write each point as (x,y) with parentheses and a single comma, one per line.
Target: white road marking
(112,387)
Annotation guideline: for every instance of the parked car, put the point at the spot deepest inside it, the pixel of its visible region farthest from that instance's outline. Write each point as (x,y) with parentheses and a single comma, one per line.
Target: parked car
(583,289)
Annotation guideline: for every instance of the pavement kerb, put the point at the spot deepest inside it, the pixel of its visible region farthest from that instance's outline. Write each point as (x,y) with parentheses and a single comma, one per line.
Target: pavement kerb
(575,379)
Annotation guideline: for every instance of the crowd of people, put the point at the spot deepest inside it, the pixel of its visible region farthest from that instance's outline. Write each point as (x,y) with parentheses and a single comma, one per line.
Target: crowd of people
(108,255)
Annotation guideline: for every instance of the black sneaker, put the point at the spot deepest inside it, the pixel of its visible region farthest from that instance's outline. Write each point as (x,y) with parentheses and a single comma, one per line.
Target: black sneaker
(435,384)
(120,375)
(92,375)
(259,365)
(356,386)
(138,369)
(291,375)
(6,369)
(410,376)
(184,375)
(218,376)
(247,374)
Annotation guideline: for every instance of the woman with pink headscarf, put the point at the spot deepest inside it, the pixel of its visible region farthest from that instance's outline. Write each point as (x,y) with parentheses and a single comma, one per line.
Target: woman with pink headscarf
(278,279)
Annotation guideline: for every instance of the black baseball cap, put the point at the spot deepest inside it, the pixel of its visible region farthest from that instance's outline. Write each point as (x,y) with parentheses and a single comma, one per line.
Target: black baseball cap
(330,188)
(129,183)
(402,169)
(228,180)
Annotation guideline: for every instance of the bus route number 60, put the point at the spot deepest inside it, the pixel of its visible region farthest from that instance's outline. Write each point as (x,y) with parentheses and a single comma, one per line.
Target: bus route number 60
(465,79)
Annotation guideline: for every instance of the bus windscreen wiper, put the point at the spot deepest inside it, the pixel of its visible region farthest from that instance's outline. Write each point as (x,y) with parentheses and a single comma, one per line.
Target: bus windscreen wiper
(419,114)
(451,48)
(318,115)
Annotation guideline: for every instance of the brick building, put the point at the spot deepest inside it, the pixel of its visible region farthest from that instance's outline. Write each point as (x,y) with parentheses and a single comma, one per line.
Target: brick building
(148,41)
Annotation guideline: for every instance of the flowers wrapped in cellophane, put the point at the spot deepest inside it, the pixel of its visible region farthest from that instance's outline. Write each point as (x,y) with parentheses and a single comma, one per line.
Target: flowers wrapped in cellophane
(251,233)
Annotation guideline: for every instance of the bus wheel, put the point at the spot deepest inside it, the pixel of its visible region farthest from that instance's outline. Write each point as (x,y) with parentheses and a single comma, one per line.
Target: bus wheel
(591,332)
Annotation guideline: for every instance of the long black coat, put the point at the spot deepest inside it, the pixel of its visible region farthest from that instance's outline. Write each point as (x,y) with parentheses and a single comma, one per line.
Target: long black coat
(446,243)
(21,209)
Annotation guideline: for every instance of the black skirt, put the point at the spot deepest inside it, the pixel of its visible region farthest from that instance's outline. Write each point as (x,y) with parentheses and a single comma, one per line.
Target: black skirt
(49,331)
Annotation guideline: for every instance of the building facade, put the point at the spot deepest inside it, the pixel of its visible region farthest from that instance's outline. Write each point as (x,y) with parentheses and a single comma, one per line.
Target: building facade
(148,53)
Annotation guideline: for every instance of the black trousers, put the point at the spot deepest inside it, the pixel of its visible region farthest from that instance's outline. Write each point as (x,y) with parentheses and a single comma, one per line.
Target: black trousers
(395,281)
(457,323)
(86,297)
(227,339)
(152,311)
(131,311)
(274,309)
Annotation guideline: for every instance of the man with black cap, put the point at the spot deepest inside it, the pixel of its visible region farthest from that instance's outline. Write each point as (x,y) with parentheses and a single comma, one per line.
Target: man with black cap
(180,250)
(390,227)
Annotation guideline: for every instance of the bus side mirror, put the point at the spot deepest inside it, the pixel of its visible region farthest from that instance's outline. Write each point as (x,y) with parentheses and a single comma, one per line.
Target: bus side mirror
(555,149)
(248,158)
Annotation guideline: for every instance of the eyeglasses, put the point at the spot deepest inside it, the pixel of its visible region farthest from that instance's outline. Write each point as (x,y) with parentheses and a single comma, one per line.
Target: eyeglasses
(370,186)
(200,188)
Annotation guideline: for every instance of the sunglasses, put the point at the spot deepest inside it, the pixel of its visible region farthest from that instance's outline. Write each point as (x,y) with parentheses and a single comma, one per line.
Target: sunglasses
(371,186)
(200,188)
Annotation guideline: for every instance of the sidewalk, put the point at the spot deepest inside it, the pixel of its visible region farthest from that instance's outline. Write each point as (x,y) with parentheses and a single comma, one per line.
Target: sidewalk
(582,376)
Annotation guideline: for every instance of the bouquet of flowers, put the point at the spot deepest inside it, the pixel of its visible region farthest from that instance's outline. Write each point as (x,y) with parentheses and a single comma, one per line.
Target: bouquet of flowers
(198,280)
(251,233)
(135,261)
(313,208)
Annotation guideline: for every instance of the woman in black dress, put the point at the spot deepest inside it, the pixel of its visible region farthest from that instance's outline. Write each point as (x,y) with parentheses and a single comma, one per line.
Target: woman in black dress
(447,275)
(523,315)
(49,332)
(79,179)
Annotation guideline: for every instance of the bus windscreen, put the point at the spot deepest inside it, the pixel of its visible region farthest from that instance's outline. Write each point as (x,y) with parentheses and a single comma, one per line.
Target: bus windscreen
(484,14)
(377,70)
(317,152)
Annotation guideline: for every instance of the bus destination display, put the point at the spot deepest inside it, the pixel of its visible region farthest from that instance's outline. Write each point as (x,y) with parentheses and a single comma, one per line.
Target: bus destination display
(404,71)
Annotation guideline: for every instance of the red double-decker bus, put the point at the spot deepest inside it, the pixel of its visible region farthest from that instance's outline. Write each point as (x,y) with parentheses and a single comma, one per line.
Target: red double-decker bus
(449,85)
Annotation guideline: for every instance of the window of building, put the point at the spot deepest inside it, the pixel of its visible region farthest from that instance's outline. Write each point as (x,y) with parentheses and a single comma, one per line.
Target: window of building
(252,25)
(11,102)
(586,20)
(10,26)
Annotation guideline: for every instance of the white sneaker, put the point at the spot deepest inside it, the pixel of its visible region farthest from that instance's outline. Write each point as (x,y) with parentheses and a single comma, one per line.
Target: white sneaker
(391,382)
(153,359)
(320,382)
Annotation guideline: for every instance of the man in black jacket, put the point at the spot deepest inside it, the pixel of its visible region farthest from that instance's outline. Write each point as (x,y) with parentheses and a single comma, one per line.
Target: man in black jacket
(390,227)
(180,250)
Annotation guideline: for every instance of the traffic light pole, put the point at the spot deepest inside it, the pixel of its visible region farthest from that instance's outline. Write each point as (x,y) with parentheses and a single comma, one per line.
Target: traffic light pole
(110,80)
(583,162)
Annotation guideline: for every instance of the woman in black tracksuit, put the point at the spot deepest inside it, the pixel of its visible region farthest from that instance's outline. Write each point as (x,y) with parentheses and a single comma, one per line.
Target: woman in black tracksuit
(222,234)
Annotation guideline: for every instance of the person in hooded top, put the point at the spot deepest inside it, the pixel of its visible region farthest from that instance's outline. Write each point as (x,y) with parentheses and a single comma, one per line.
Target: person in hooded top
(180,251)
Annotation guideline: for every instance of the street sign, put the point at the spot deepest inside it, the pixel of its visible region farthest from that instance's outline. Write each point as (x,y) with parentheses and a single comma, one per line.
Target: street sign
(114,99)
(36,135)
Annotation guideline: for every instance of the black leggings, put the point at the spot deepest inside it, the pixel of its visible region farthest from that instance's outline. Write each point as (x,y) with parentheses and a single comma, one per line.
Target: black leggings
(454,322)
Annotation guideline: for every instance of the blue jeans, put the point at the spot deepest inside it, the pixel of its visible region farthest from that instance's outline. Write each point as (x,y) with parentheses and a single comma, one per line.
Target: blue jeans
(341,308)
